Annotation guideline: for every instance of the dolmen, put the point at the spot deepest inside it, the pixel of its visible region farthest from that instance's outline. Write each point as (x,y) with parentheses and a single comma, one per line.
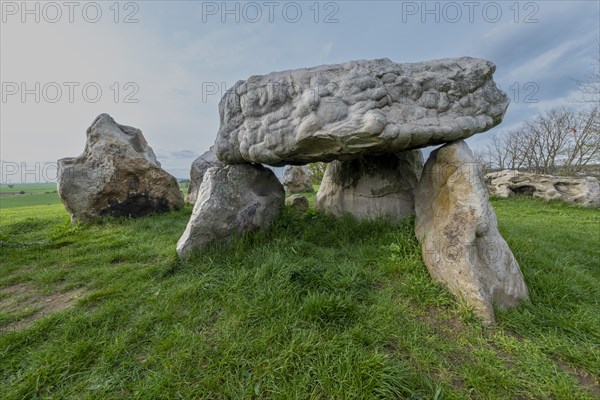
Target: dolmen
(117,175)
(369,119)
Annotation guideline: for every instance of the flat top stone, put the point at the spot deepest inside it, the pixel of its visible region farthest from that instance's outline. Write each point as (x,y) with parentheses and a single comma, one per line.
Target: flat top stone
(343,111)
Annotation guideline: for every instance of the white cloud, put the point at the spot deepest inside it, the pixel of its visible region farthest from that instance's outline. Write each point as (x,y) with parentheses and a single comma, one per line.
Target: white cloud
(540,64)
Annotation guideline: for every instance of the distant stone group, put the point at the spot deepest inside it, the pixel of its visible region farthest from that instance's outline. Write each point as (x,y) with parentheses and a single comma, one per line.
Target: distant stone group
(584,191)
(368,119)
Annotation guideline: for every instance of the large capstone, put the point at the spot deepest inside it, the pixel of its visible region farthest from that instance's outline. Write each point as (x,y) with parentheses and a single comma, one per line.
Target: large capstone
(117,175)
(461,245)
(371,187)
(296,179)
(231,200)
(199,167)
(343,111)
(584,191)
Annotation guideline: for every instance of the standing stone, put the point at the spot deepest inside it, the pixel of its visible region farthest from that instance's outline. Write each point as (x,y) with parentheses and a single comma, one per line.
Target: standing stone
(344,111)
(231,200)
(462,247)
(117,175)
(296,179)
(371,186)
(199,167)
(584,191)
(298,203)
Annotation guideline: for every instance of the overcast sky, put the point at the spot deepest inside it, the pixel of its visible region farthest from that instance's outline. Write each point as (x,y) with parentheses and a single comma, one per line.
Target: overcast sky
(162,66)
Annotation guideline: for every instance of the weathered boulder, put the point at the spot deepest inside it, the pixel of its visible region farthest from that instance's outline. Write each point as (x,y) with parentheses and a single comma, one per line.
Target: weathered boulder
(462,247)
(584,191)
(372,186)
(231,200)
(298,202)
(296,179)
(342,111)
(199,167)
(117,175)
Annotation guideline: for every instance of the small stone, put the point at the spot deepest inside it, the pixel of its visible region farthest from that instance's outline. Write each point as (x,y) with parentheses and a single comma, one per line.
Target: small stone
(298,202)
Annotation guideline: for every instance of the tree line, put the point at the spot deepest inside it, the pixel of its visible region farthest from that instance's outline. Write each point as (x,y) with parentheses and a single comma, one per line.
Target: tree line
(562,140)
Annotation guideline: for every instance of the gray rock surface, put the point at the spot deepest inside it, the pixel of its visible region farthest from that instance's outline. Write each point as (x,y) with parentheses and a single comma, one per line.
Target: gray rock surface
(342,111)
(199,167)
(231,200)
(298,202)
(296,179)
(372,186)
(584,191)
(117,175)
(462,247)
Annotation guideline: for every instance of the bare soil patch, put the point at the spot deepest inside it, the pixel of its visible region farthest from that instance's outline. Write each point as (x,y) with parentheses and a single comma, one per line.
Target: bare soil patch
(23,298)
(584,378)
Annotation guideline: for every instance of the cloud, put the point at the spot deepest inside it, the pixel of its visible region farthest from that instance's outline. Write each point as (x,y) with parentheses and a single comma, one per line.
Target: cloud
(530,69)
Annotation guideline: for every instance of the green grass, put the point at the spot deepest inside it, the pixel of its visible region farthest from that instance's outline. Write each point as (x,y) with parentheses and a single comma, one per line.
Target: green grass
(35,194)
(35,188)
(314,308)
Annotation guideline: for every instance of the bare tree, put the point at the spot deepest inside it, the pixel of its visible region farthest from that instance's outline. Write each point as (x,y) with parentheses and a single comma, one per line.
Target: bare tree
(548,136)
(508,150)
(481,156)
(561,140)
(496,152)
(518,146)
(583,141)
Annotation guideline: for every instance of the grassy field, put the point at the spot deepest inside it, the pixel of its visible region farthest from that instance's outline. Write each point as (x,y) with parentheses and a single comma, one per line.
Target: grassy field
(315,308)
(34,194)
(28,194)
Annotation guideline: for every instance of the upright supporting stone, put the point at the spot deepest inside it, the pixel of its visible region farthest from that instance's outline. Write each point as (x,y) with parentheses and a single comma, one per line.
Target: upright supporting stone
(462,247)
(372,186)
(231,200)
